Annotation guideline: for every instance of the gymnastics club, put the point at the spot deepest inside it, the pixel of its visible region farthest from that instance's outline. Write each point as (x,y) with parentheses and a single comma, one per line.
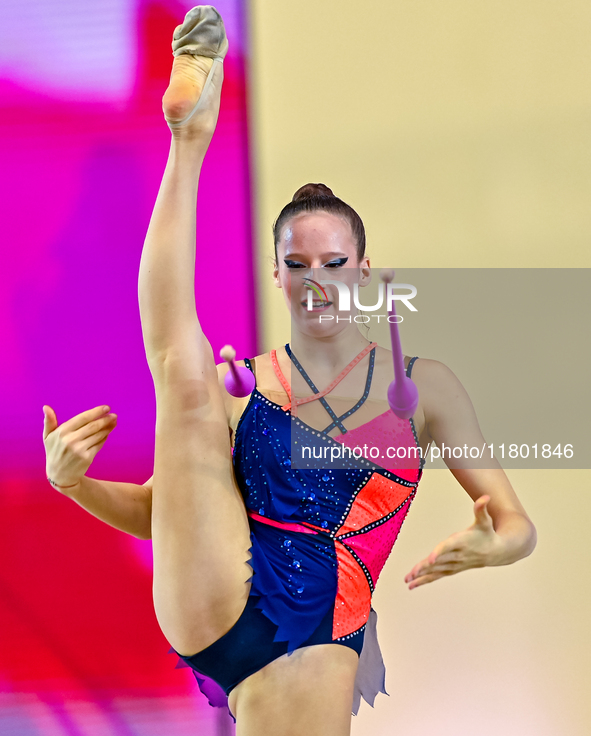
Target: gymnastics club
(403,395)
(238,381)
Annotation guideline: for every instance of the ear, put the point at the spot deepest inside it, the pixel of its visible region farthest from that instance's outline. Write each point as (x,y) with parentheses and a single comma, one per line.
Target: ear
(276,279)
(364,271)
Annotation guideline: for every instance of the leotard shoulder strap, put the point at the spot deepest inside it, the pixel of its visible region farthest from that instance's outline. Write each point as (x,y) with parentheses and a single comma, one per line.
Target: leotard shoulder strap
(293,404)
(337,421)
(282,379)
(411,362)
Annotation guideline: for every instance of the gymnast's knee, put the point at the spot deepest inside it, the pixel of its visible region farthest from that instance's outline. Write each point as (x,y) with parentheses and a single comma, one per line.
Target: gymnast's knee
(192,360)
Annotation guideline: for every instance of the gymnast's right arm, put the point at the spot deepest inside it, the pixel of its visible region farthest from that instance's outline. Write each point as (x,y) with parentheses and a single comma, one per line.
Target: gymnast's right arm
(70,448)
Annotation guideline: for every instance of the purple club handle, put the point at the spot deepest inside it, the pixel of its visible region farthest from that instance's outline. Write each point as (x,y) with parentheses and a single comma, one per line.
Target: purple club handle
(239,381)
(403,395)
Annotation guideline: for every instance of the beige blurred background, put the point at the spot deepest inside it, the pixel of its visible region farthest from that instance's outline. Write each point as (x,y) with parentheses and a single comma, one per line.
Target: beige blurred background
(460,133)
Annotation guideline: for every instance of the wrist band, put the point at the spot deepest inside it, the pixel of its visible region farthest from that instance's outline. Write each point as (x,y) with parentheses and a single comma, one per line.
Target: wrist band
(53,483)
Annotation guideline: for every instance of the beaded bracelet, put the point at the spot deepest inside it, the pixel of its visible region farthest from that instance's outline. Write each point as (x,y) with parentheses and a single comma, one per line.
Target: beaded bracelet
(53,483)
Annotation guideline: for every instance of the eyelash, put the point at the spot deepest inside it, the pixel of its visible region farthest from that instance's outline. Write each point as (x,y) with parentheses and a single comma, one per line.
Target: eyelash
(337,263)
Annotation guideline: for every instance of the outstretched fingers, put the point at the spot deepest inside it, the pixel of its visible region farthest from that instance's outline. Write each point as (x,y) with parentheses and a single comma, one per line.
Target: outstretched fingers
(75,423)
(444,563)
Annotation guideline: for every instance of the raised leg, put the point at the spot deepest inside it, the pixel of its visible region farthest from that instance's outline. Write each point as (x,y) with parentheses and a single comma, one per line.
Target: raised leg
(200,530)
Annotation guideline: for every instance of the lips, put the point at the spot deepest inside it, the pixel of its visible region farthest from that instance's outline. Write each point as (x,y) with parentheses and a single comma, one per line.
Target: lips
(318,305)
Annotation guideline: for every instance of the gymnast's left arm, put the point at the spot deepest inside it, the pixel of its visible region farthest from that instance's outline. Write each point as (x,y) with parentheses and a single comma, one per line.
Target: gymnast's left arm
(502,532)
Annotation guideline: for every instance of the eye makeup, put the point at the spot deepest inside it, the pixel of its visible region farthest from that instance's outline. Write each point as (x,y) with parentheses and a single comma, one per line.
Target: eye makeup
(335,263)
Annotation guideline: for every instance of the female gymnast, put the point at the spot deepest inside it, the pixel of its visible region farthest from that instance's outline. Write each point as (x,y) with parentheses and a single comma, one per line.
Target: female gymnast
(264,571)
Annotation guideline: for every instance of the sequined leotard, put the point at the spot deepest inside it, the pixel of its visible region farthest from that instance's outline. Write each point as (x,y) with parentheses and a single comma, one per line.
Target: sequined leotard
(320,537)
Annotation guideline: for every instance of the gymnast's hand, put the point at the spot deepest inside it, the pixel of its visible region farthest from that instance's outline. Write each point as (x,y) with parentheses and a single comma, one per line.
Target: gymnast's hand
(477,546)
(71,447)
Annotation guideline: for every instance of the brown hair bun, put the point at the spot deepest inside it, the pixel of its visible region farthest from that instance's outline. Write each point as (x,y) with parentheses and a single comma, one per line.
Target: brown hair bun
(312,190)
(319,198)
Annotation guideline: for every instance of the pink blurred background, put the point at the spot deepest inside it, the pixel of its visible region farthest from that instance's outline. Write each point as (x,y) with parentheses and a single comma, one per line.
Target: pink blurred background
(83,146)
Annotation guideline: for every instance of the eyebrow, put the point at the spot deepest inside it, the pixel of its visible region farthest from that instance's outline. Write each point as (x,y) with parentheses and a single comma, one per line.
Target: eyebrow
(331,256)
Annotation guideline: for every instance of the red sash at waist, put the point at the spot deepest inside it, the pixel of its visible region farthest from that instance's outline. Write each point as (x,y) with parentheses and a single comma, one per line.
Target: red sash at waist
(281,524)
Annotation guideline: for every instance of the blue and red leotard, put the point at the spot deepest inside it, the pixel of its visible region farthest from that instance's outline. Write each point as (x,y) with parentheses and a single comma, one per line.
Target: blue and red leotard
(320,535)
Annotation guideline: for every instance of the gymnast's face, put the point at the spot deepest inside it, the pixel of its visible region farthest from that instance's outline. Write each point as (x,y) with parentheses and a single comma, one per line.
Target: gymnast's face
(319,246)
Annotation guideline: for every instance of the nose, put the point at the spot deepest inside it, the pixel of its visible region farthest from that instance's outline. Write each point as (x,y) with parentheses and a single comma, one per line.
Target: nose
(308,271)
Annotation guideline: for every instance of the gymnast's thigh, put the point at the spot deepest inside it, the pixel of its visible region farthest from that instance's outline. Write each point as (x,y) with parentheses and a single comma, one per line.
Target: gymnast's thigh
(307,692)
(272,692)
